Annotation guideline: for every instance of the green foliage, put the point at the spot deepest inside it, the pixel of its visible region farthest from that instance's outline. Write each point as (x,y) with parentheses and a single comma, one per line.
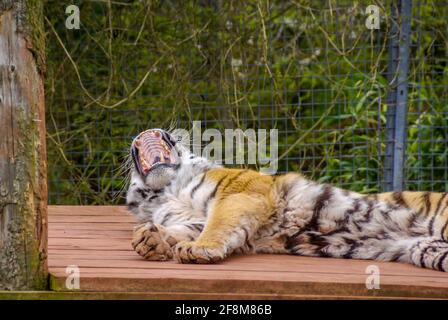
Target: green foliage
(310,69)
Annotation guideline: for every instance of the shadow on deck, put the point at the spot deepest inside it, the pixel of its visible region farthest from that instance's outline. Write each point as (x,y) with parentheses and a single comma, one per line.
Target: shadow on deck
(97,240)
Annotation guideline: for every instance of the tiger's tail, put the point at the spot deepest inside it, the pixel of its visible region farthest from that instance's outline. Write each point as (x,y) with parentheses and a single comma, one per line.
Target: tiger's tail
(424,252)
(430,253)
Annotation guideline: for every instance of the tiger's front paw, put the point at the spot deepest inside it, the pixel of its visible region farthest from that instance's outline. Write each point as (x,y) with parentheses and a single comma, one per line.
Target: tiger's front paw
(148,242)
(191,252)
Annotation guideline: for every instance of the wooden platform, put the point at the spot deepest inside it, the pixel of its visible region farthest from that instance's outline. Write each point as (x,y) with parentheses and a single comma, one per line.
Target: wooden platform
(97,240)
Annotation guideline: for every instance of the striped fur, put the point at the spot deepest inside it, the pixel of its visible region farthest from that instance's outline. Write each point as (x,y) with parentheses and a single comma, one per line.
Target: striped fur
(200,212)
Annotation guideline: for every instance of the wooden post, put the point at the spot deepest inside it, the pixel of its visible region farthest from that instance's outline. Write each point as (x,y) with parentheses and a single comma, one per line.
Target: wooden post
(23,172)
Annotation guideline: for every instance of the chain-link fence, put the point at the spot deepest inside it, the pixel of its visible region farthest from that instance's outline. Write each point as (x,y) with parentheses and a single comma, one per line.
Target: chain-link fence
(354,105)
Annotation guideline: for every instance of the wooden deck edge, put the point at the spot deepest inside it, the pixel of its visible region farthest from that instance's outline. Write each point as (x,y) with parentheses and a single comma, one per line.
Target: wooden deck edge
(89,295)
(243,289)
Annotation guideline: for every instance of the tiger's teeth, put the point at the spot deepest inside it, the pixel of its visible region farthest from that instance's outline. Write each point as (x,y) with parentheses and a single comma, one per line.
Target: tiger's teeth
(164,145)
(144,163)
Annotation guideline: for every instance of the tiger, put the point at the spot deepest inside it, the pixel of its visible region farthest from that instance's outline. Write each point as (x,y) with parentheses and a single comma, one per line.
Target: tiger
(193,210)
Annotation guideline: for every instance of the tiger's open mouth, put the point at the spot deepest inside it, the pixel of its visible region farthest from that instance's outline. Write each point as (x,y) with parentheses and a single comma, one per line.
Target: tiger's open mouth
(153,148)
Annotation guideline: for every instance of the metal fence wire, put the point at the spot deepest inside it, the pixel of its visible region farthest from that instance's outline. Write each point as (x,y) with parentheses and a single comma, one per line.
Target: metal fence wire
(362,108)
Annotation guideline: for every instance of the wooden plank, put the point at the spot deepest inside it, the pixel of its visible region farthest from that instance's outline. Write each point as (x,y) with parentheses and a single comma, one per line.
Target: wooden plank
(126,235)
(98,253)
(115,259)
(150,295)
(92,226)
(59,210)
(239,283)
(250,263)
(90,219)
(102,250)
(129,259)
(104,267)
(97,244)
(219,275)
(256,262)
